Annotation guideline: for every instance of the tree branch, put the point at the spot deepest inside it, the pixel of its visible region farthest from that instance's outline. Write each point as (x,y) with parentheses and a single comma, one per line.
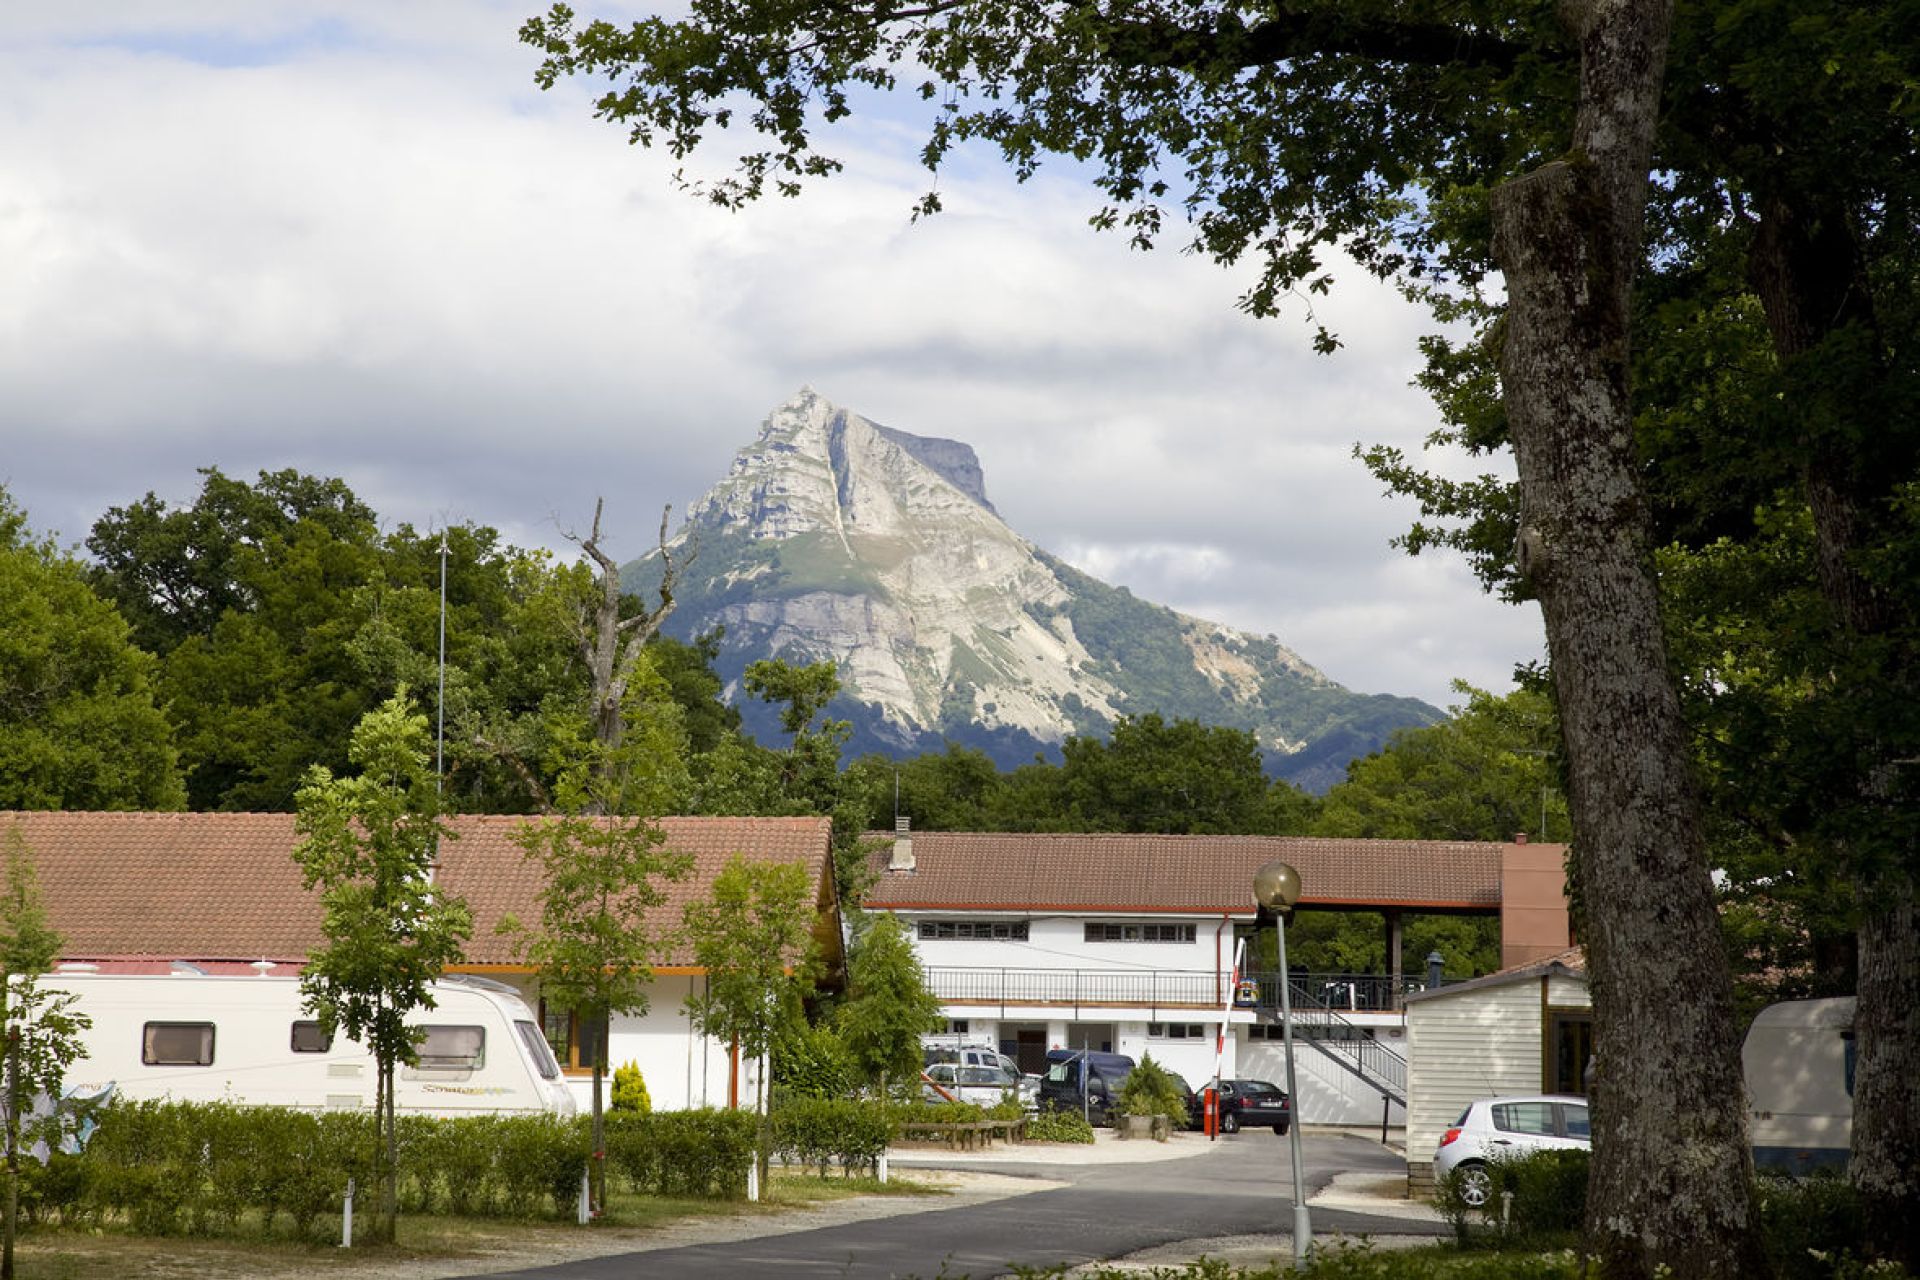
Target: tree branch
(1287,35)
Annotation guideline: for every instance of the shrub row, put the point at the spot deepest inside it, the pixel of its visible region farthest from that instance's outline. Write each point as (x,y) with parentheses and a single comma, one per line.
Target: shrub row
(167,1168)
(817,1133)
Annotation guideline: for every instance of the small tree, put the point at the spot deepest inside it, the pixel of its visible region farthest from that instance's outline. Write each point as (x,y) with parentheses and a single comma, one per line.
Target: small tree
(370,844)
(42,1029)
(602,860)
(888,1004)
(754,937)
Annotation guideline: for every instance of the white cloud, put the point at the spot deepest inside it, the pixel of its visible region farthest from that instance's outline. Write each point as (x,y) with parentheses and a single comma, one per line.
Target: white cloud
(352,238)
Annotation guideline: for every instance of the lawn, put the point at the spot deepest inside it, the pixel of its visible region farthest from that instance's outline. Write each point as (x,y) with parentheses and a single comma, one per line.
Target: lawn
(431,1244)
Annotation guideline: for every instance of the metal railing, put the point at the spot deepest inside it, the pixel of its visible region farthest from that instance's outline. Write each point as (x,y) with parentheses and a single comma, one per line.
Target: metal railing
(1142,988)
(1351,992)
(1333,1034)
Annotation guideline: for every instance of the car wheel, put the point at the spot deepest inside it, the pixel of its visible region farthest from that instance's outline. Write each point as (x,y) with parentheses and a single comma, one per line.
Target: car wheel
(1475,1184)
(1280,1129)
(1229,1123)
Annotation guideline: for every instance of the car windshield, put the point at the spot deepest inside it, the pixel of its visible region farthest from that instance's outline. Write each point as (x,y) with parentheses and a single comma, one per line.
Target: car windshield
(1259,1088)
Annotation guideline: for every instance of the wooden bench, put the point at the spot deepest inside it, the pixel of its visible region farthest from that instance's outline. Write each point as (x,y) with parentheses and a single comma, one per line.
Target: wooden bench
(966,1136)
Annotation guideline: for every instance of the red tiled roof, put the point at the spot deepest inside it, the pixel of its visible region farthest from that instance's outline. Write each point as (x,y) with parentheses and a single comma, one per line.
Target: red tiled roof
(1209,874)
(225,886)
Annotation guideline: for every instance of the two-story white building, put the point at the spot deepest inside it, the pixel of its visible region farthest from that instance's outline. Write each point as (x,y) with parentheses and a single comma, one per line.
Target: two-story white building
(1127,943)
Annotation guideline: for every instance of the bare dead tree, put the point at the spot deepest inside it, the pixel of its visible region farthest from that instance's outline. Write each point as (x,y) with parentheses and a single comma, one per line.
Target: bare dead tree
(610,645)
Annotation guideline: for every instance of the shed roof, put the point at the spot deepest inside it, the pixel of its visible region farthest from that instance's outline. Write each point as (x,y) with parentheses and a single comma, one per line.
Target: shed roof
(213,886)
(1571,963)
(1212,875)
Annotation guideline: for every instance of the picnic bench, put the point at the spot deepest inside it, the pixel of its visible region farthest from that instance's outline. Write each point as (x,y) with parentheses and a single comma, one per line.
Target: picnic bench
(965,1135)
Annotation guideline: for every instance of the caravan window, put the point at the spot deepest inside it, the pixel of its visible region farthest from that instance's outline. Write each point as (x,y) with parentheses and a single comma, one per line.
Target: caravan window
(177,1044)
(538,1050)
(310,1037)
(453,1048)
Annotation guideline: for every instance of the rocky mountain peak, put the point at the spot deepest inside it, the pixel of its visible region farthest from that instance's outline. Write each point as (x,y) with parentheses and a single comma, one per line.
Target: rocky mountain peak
(834,538)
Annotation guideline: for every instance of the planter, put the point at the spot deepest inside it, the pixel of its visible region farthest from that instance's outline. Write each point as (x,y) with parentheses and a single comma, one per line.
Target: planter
(1158,1128)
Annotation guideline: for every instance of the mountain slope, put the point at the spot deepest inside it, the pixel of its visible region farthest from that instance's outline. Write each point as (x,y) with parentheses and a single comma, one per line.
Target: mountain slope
(834,538)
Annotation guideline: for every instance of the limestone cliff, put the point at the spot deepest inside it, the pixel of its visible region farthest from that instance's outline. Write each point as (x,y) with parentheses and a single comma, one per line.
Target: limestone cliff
(835,538)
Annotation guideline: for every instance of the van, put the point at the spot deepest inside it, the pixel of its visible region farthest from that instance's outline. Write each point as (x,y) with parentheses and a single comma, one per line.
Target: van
(1799,1061)
(1084,1080)
(196,1037)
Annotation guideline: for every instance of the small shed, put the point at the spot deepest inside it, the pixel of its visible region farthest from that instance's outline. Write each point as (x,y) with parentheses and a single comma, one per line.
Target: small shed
(1527,1029)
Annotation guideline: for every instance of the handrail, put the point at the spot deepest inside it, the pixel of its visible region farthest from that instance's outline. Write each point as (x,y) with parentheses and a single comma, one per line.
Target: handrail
(1340,1039)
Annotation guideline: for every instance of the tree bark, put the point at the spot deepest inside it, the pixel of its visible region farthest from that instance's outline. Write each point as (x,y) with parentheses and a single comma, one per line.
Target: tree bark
(1672,1172)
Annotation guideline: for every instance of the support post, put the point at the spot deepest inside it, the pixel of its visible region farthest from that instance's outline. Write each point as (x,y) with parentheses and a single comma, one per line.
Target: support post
(346,1218)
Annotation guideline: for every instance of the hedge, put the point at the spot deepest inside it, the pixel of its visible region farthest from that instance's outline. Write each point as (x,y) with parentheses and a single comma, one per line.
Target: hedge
(178,1168)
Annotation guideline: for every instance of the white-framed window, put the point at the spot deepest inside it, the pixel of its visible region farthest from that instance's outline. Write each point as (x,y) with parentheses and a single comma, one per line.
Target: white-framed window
(1129,931)
(973,930)
(1176,1031)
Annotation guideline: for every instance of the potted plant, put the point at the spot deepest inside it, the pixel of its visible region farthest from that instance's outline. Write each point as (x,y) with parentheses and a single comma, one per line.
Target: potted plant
(1149,1101)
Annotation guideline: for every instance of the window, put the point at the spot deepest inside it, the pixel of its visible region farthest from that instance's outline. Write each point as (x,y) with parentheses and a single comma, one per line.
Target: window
(575,1039)
(1569,1049)
(956,1026)
(1176,1031)
(538,1050)
(310,1037)
(452,1049)
(177,1044)
(973,930)
(1524,1117)
(1578,1125)
(1100,931)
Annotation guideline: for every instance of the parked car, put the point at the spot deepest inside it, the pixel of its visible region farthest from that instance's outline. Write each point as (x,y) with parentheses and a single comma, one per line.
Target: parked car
(1078,1079)
(977,1082)
(1245,1102)
(1497,1128)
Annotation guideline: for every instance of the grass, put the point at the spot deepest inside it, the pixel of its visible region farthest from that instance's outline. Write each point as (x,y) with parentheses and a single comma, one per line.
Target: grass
(59,1253)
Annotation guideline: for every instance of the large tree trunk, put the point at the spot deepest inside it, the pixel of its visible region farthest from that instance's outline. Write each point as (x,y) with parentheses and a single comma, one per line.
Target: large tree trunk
(1806,267)
(1672,1173)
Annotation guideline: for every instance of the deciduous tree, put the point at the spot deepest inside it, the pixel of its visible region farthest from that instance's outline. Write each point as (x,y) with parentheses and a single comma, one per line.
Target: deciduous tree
(80,722)
(1283,129)
(369,842)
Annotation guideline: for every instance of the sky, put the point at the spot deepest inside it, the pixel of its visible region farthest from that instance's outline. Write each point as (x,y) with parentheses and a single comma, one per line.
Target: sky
(354,239)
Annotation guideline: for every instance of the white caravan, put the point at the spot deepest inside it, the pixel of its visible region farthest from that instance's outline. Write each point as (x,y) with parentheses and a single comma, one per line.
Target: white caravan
(1799,1063)
(200,1038)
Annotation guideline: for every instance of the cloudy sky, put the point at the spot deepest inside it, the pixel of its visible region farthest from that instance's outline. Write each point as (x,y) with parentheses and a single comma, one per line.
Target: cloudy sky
(354,239)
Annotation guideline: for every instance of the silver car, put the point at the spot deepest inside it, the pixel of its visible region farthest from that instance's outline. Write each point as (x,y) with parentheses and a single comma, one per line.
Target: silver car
(1504,1128)
(962,1082)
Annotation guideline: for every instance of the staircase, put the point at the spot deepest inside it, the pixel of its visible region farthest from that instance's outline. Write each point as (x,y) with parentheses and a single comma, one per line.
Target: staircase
(1346,1044)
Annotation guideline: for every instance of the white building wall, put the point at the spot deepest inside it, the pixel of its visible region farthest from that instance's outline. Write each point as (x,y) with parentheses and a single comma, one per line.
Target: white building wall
(1479,1043)
(1059,942)
(682,1068)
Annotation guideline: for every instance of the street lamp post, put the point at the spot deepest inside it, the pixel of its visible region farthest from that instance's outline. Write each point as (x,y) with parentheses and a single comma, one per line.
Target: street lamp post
(1276,886)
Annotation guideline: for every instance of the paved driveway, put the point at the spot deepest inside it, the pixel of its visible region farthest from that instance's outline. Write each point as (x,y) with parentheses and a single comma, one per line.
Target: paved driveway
(1236,1187)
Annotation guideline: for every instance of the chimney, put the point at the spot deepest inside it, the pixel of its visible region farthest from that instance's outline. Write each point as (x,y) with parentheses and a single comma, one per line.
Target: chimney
(1520,837)
(902,845)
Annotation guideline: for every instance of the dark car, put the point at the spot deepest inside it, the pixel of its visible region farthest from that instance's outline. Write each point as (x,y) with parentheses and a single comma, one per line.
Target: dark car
(1079,1080)
(1248,1102)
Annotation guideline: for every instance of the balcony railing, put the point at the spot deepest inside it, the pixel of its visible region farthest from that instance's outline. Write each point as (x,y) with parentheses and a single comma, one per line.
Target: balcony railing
(1160,988)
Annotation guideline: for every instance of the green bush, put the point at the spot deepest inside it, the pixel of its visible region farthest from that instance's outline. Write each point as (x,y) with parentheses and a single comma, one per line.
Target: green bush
(703,1153)
(812,1062)
(1150,1091)
(630,1090)
(1059,1126)
(539,1162)
(817,1133)
(1549,1190)
(1811,1226)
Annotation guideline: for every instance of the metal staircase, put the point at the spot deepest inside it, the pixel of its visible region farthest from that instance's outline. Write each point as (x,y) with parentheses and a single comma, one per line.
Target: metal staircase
(1346,1044)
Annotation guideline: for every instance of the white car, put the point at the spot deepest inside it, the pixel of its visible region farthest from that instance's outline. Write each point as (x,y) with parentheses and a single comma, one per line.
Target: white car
(962,1082)
(1503,1128)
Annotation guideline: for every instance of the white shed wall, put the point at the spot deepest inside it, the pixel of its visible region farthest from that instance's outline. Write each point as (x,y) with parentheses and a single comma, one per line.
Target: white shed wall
(1477,1044)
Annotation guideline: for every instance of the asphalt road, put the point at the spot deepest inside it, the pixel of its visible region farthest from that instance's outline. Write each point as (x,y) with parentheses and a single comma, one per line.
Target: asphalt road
(1108,1211)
